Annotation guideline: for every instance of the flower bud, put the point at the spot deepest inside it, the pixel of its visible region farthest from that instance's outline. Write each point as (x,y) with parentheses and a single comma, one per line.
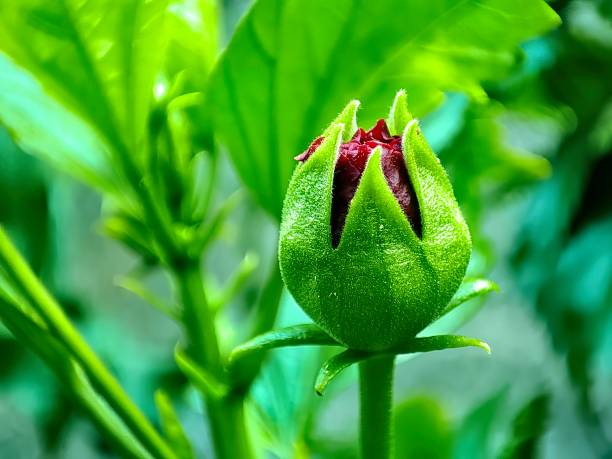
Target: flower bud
(372,242)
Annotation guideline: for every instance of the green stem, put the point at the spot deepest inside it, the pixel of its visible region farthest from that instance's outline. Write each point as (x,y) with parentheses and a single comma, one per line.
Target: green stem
(376,399)
(32,290)
(106,420)
(226,415)
(265,313)
(71,376)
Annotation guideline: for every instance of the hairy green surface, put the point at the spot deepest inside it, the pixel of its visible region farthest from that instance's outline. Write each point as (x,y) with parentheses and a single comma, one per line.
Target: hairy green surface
(382,284)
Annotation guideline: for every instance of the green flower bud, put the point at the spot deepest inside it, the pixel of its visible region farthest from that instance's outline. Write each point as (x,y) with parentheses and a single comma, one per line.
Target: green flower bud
(375,274)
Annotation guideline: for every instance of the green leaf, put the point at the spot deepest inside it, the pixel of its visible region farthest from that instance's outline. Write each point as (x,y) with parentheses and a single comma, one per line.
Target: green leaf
(194,39)
(422,430)
(527,429)
(97,57)
(290,65)
(172,427)
(474,435)
(296,335)
(192,52)
(38,124)
(498,167)
(207,232)
(241,275)
(203,380)
(133,233)
(137,288)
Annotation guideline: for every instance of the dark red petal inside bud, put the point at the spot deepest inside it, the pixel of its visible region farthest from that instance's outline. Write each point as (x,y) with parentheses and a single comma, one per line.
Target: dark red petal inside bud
(351,163)
(311,149)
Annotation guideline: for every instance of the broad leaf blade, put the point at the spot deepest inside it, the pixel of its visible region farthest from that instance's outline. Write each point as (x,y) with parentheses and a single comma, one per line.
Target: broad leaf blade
(528,427)
(98,58)
(290,65)
(473,440)
(38,124)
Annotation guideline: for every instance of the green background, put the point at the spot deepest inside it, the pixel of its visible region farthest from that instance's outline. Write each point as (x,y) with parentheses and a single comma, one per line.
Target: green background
(518,108)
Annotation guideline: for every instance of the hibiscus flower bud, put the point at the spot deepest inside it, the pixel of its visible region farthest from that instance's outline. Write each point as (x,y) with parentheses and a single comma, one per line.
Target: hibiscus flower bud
(372,242)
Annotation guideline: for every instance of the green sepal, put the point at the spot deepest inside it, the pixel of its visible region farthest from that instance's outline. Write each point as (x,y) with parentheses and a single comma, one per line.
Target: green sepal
(296,335)
(338,363)
(347,118)
(446,237)
(468,290)
(399,116)
(305,234)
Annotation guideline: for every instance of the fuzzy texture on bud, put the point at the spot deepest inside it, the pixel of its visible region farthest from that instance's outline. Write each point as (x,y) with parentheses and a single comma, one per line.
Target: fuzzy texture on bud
(372,242)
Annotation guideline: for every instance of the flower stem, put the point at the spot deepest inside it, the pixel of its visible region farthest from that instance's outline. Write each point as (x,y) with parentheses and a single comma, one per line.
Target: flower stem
(226,415)
(376,398)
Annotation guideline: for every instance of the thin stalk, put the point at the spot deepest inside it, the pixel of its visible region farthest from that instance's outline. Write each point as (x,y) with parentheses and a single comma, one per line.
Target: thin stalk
(226,415)
(107,421)
(32,290)
(73,381)
(376,399)
(264,317)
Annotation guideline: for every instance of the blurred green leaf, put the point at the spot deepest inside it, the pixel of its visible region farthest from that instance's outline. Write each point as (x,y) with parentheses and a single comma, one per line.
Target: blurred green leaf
(287,409)
(484,168)
(474,434)
(172,426)
(96,57)
(38,124)
(527,429)
(137,288)
(194,39)
(561,253)
(238,279)
(192,52)
(201,378)
(422,430)
(291,65)
(133,233)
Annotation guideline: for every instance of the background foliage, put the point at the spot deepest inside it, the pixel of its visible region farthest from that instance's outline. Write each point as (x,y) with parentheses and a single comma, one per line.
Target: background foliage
(518,107)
